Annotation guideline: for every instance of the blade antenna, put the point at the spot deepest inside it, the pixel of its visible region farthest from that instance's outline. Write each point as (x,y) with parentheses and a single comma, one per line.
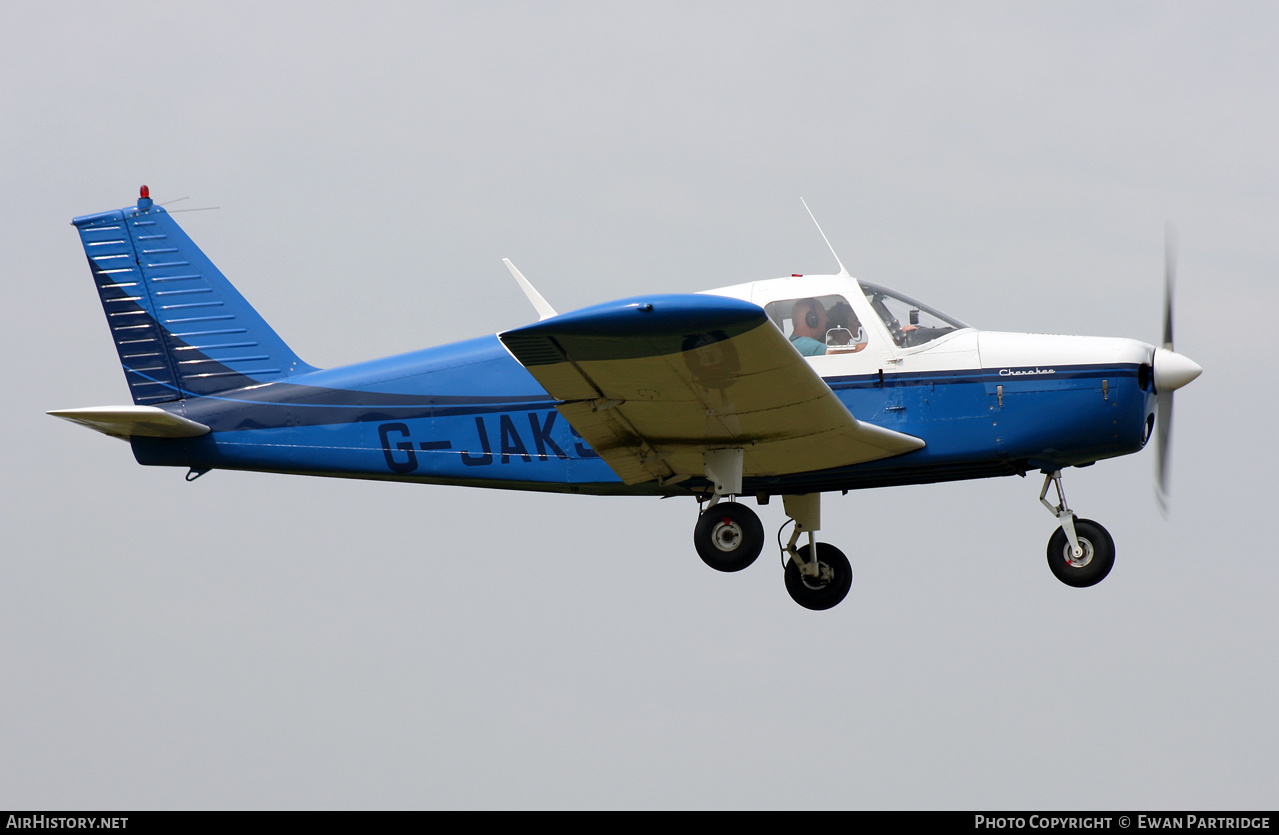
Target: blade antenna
(543,308)
(842,270)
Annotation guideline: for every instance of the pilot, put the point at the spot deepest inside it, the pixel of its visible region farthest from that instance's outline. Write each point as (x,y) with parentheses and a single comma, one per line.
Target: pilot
(809,320)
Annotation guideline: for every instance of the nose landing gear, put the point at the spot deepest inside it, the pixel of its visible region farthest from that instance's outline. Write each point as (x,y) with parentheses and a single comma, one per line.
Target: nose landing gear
(1080,552)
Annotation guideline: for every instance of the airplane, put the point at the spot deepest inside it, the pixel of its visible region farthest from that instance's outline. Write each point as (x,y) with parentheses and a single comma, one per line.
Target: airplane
(790,387)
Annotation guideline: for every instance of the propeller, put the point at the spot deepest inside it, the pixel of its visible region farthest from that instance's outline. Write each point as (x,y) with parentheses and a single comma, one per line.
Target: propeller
(1171,372)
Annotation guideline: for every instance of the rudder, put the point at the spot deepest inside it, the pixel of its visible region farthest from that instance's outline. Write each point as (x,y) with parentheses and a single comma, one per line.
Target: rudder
(179,326)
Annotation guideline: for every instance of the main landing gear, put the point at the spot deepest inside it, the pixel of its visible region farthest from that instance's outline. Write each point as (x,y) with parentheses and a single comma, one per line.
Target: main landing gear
(820,583)
(1081,552)
(729,537)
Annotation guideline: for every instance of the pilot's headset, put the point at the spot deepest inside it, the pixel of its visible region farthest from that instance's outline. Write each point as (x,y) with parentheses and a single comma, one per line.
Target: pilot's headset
(811,318)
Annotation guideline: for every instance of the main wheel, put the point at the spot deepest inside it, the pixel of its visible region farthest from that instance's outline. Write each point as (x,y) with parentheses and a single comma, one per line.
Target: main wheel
(1095,563)
(816,595)
(728,536)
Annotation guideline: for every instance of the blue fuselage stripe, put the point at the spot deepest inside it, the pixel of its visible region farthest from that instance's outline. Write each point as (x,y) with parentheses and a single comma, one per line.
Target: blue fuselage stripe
(377,421)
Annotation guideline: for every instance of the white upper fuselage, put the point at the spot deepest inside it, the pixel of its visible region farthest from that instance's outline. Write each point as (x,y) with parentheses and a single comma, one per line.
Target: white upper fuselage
(959,349)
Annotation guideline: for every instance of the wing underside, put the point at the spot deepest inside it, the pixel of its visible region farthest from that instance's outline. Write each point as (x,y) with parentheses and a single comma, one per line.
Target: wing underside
(653,384)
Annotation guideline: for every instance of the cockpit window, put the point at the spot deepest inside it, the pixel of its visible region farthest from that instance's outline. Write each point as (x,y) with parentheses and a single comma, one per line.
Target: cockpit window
(818,325)
(910,322)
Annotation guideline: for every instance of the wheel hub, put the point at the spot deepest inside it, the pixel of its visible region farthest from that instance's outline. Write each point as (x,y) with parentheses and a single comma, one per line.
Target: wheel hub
(1084,558)
(727,536)
(820,579)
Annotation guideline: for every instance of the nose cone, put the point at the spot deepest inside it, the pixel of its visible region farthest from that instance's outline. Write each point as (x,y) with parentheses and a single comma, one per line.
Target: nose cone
(1172,370)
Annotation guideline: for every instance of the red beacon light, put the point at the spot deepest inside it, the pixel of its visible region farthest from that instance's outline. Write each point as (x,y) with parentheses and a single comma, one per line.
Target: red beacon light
(144,192)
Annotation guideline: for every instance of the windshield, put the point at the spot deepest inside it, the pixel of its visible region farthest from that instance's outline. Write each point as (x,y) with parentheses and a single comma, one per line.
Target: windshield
(910,322)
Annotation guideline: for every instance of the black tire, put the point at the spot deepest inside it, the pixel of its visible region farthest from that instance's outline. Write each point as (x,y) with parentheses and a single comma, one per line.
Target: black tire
(820,597)
(728,536)
(1093,566)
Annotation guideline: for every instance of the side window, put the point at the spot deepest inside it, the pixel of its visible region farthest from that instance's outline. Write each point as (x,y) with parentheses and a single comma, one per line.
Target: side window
(818,325)
(844,333)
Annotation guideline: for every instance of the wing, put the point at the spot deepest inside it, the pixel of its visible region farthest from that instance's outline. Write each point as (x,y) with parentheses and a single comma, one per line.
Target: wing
(653,383)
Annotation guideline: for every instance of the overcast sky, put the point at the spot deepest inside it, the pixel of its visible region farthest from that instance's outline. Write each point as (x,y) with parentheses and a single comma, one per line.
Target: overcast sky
(267,641)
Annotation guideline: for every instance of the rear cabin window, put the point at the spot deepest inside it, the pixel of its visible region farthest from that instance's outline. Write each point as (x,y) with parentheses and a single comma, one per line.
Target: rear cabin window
(818,325)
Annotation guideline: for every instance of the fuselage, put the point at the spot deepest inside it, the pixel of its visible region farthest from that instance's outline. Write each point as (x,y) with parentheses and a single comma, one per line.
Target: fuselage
(984,403)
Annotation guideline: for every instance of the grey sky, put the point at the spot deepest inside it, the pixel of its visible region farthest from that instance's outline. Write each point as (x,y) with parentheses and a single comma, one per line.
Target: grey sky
(260,641)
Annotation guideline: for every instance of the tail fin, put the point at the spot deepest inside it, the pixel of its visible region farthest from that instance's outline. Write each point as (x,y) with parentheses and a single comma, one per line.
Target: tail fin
(180,327)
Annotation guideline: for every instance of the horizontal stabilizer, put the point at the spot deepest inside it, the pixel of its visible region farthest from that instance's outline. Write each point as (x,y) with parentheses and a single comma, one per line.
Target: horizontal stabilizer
(133,421)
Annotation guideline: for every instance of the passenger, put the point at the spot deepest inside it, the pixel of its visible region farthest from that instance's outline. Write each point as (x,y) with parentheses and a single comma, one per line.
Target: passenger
(808,318)
(844,331)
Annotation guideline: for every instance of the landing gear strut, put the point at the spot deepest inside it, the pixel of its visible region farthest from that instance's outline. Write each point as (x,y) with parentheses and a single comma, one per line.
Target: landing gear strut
(1080,552)
(818,575)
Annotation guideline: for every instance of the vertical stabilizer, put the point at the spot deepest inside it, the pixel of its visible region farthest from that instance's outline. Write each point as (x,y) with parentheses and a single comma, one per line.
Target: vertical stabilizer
(179,326)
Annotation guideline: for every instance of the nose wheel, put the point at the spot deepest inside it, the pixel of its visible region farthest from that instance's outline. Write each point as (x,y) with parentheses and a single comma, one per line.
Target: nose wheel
(1080,552)
(1092,565)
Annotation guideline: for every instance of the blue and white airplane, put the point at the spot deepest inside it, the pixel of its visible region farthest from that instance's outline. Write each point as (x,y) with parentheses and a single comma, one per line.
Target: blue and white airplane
(789,387)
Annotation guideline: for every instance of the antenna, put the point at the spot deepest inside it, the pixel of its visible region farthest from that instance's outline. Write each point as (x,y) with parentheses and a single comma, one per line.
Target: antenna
(179,200)
(544,310)
(842,270)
